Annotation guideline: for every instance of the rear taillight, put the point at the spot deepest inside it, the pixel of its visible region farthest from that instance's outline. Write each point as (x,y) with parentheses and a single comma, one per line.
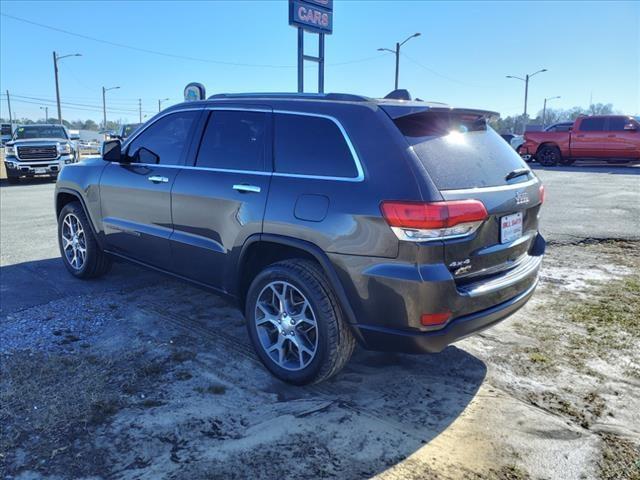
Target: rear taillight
(541,193)
(419,222)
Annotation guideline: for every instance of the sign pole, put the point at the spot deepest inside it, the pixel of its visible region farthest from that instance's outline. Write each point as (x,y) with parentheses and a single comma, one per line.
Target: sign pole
(314,16)
(321,63)
(300,60)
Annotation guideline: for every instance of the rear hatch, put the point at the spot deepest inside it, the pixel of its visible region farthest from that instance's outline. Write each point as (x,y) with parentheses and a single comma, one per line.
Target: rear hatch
(467,160)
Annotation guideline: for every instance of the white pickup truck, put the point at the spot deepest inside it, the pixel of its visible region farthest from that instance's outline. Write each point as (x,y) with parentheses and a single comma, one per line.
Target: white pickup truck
(38,150)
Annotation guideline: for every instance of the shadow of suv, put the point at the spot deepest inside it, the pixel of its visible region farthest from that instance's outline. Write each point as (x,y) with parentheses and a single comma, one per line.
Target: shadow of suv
(330,218)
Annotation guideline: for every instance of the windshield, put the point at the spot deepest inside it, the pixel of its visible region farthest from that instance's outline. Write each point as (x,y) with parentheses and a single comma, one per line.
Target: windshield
(460,151)
(129,129)
(40,131)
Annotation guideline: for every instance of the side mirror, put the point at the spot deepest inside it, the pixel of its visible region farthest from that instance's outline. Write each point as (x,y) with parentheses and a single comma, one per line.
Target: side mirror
(630,127)
(144,155)
(74,137)
(112,151)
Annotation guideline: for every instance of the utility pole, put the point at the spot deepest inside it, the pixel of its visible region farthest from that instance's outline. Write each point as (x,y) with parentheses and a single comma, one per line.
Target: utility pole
(140,109)
(544,110)
(104,105)
(396,52)
(526,93)
(46,113)
(160,103)
(55,71)
(9,105)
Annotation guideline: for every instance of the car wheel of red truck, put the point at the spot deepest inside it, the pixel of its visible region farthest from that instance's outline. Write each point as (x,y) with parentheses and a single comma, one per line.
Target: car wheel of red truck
(549,156)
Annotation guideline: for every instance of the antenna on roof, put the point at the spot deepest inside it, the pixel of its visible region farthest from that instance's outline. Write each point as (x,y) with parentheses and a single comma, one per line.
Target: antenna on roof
(399,94)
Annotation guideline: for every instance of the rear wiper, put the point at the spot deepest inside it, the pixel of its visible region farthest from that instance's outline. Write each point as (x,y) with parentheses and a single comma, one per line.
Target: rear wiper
(518,172)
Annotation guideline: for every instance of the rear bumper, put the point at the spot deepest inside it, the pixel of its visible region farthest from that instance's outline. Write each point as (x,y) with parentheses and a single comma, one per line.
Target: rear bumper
(388,298)
(388,339)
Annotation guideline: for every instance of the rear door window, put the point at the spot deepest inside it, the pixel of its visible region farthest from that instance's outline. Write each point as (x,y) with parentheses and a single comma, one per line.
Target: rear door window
(592,124)
(310,145)
(460,151)
(617,124)
(234,140)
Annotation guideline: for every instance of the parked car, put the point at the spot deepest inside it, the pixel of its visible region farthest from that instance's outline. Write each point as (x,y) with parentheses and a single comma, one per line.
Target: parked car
(5,133)
(38,150)
(559,127)
(89,146)
(330,219)
(514,140)
(127,129)
(601,137)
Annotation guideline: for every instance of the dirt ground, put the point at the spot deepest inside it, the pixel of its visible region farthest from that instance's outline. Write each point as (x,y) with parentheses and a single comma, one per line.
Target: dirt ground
(161,382)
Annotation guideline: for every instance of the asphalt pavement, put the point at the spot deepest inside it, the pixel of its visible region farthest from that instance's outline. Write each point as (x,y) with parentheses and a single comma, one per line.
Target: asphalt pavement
(584,202)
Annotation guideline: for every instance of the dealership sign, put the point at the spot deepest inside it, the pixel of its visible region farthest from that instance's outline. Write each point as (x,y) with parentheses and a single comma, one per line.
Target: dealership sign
(312,15)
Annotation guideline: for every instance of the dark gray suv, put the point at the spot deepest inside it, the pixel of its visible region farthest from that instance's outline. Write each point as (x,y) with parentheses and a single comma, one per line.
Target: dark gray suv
(330,219)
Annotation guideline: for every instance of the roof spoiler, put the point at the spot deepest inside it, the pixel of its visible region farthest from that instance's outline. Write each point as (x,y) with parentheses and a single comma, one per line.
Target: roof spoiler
(399,111)
(398,94)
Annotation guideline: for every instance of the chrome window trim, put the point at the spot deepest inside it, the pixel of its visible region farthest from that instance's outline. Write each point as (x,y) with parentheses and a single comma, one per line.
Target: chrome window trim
(513,186)
(354,155)
(188,167)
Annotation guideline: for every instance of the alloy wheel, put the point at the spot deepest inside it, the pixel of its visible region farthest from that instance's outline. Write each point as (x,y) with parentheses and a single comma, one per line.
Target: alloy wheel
(286,325)
(74,242)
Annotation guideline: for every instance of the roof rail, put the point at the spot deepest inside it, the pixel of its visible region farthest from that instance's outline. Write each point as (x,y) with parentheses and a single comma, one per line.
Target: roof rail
(343,97)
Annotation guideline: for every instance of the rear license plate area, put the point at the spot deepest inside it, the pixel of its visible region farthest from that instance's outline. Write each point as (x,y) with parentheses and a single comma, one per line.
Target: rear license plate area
(510,227)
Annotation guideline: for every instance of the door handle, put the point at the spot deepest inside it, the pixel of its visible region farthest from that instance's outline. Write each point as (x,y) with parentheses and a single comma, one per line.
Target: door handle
(157,179)
(243,188)
(611,136)
(580,136)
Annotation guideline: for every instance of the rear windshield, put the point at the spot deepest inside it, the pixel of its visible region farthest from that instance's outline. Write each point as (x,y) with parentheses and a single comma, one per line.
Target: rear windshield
(460,150)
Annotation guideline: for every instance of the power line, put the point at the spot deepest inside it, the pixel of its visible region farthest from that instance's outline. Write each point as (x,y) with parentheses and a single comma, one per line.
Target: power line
(171,55)
(47,100)
(446,77)
(81,108)
(126,100)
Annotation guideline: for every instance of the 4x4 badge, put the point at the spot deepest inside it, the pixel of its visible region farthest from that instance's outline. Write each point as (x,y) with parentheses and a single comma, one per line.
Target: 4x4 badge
(522,197)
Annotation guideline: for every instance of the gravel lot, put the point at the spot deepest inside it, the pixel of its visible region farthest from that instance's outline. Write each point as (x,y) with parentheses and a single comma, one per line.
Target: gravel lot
(139,376)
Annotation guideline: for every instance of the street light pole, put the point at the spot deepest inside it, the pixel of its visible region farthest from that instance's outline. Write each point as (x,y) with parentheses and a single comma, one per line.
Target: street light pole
(9,105)
(544,110)
(160,103)
(55,72)
(104,105)
(46,113)
(526,93)
(140,110)
(396,52)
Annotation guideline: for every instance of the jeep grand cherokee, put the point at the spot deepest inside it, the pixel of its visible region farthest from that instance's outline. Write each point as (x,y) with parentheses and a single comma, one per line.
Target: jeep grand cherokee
(330,219)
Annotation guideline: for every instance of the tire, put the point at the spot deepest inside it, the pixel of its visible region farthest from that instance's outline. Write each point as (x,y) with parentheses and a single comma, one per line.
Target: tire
(548,156)
(330,342)
(13,180)
(94,262)
(567,162)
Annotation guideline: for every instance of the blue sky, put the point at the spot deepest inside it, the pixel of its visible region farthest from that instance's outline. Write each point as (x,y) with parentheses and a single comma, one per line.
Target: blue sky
(592,50)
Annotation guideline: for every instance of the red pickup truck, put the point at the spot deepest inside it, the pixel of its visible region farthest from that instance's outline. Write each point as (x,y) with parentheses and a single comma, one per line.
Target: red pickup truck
(602,137)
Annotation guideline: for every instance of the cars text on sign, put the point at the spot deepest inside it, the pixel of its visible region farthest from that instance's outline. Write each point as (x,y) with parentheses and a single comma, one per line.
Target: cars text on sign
(312,15)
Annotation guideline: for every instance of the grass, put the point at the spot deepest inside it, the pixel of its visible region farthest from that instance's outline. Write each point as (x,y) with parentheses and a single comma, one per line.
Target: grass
(619,460)
(50,405)
(610,315)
